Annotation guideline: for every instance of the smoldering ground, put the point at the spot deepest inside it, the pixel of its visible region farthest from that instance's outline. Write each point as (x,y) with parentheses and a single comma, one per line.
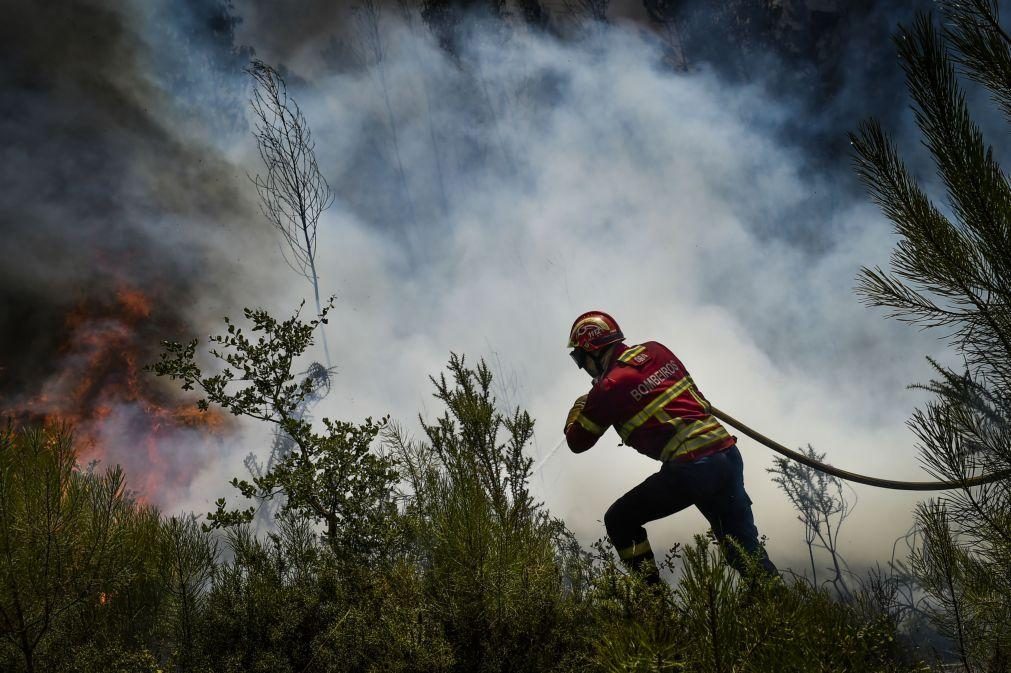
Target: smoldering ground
(484,198)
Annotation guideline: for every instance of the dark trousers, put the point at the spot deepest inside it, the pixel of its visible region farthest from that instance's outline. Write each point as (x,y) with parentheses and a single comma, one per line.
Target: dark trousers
(714,484)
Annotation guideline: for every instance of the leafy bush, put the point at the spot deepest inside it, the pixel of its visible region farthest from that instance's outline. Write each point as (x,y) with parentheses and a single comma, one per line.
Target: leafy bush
(712,621)
(331,478)
(491,555)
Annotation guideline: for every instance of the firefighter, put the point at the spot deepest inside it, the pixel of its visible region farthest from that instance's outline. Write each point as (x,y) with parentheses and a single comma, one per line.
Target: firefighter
(646,394)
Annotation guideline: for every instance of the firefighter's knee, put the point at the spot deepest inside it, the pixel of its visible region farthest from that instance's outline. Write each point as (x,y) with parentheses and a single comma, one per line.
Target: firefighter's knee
(617,522)
(612,518)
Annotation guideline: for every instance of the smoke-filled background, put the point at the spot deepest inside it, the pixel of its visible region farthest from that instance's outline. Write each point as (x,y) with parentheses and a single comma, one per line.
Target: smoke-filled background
(498,169)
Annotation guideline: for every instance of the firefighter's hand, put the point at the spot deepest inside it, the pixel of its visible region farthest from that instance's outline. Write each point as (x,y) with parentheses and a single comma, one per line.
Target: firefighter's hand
(577,407)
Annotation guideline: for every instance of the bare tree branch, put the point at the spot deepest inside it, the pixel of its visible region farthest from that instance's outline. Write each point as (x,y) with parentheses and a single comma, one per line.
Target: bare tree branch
(293,193)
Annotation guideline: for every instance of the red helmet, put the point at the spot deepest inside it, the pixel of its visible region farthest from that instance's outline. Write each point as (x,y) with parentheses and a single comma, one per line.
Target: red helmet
(594,330)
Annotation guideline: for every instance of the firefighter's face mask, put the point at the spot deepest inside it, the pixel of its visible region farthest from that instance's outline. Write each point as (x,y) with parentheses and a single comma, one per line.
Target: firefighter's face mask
(579,356)
(585,361)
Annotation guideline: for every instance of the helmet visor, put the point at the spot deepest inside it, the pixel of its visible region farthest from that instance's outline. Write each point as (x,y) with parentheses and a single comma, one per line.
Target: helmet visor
(579,357)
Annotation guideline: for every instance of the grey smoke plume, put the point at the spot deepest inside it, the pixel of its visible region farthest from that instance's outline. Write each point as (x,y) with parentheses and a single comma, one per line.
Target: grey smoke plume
(484,198)
(115,215)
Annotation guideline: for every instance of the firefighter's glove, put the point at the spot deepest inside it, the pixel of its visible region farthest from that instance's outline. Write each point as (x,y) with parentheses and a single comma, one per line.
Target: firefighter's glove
(577,408)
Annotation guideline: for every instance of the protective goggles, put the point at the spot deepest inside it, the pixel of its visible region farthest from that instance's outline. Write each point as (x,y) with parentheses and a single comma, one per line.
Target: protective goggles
(579,356)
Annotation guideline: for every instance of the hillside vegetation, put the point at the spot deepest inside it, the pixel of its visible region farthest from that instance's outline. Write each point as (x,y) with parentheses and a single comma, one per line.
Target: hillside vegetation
(361,548)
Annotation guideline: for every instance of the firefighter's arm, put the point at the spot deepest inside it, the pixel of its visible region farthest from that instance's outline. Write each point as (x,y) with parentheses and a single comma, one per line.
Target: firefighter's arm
(581,432)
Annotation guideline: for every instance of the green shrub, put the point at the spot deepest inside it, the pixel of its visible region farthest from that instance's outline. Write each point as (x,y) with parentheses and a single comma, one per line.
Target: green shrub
(711,621)
(493,560)
(80,561)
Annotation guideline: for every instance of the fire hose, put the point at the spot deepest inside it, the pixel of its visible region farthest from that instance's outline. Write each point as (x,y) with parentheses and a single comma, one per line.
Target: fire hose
(966,482)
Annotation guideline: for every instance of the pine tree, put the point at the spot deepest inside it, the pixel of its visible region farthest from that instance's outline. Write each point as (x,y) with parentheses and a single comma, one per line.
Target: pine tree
(76,555)
(951,270)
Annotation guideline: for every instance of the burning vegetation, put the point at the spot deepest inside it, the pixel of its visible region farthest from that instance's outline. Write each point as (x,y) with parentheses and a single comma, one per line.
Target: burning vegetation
(119,413)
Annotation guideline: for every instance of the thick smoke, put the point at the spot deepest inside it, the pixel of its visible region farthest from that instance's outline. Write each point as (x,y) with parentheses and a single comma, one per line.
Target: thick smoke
(115,214)
(485,196)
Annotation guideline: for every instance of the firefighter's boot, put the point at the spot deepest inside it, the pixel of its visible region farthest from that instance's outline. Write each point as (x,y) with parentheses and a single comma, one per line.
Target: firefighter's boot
(640,560)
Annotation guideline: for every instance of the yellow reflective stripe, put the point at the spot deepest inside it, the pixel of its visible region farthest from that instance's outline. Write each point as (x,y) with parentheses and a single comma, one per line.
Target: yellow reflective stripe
(637,549)
(706,407)
(688,435)
(631,353)
(656,405)
(698,435)
(705,440)
(677,424)
(589,425)
(676,421)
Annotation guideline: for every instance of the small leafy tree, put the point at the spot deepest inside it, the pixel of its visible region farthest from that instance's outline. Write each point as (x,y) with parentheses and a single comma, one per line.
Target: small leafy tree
(952,269)
(332,477)
(282,445)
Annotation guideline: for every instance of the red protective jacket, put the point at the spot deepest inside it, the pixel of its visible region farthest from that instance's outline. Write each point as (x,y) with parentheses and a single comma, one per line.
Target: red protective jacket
(649,398)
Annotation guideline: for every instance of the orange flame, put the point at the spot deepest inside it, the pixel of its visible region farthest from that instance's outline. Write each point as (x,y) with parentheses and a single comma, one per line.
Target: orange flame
(121,414)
